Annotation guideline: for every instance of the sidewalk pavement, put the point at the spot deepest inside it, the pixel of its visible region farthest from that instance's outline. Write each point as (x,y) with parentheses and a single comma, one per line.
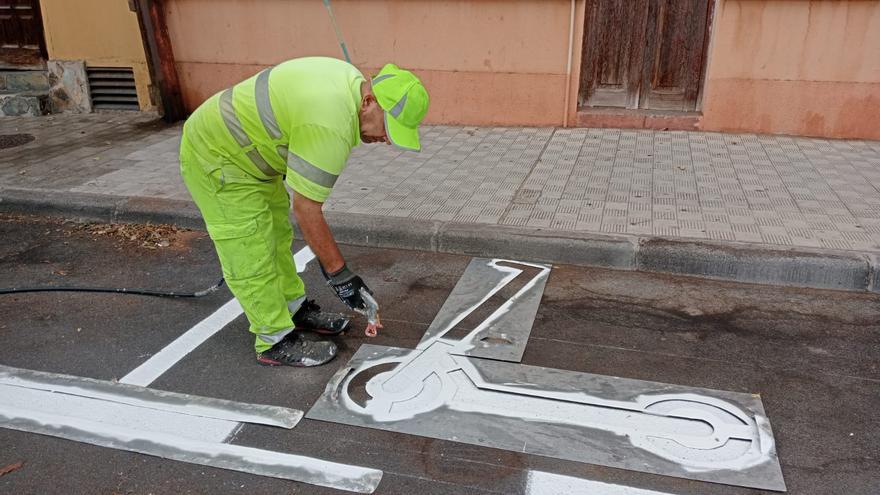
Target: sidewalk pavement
(765,209)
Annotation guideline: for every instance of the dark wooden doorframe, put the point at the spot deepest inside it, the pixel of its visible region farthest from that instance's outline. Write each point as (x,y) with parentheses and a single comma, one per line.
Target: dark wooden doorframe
(160,57)
(645,54)
(22,40)
(710,18)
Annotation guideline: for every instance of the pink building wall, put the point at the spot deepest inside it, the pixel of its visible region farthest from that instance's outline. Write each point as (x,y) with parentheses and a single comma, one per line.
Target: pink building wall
(802,67)
(492,62)
(806,67)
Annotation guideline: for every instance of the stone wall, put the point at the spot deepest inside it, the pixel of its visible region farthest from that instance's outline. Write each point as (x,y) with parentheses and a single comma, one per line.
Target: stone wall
(68,87)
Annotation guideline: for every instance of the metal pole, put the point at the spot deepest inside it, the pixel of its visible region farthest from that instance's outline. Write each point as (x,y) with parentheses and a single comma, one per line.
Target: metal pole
(338,31)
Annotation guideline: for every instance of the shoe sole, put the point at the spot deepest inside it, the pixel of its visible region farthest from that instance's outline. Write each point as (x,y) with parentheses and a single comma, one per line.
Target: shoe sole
(273,363)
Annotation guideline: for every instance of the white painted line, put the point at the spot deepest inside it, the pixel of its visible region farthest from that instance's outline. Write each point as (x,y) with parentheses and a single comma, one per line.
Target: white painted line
(302,258)
(541,483)
(163,360)
(147,398)
(109,414)
(168,435)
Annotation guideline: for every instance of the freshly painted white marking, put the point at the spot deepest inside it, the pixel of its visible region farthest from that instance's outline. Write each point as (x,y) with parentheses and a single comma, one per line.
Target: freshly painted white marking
(467,343)
(701,433)
(510,274)
(137,427)
(147,398)
(541,483)
(168,435)
(163,360)
(302,258)
(114,414)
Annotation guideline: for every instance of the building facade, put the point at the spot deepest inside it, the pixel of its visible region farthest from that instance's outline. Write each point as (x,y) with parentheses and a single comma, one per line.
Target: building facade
(799,67)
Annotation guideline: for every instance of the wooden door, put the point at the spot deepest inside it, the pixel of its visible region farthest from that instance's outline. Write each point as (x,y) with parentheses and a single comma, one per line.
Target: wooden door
(613,50)
(21,33)
(644,54)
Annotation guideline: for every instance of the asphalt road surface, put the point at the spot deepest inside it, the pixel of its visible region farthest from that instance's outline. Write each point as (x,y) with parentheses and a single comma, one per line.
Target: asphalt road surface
(812,355)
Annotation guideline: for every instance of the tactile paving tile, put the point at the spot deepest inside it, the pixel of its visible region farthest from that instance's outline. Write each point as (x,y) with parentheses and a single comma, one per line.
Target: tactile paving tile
(826,186)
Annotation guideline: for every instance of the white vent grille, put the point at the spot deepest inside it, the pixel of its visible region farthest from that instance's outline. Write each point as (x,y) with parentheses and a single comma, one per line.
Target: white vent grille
(112,88)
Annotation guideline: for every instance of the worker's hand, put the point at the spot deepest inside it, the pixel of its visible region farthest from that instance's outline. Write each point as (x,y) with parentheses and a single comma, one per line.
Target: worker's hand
(347,286)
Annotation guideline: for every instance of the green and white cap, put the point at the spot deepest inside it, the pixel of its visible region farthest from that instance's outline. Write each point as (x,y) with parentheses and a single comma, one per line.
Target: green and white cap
(405,101)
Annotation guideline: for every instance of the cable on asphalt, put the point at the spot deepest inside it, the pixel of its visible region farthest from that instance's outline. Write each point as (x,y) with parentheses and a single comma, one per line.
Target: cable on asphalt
(114,290)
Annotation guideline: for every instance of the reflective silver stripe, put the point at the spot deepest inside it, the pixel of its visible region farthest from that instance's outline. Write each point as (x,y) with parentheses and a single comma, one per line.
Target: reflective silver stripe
(241,137)
(293,306)
(391,138)
(378,79)
(282,151)
(231,120)
(398,109)
(310,171)
(275,337)
(264,106)
(261,164)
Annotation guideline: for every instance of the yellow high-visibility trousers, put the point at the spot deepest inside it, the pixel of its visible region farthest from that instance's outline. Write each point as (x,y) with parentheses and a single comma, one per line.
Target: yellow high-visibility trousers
(248,220)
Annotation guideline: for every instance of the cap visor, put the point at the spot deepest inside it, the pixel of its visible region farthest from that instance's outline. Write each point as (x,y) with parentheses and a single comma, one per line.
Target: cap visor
(402,136)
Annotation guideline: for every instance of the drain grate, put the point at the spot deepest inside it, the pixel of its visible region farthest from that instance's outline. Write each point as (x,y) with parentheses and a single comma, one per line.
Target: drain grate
(13,140)
(112,88)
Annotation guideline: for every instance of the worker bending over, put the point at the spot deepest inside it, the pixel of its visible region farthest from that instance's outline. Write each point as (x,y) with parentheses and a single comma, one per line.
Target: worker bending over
(296,123)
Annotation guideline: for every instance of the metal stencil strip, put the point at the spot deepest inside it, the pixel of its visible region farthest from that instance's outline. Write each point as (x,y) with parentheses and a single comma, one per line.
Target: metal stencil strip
(220,455)
(137,396)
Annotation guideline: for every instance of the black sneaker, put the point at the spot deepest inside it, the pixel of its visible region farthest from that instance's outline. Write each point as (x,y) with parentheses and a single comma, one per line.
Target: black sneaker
(309,317)
(297,351)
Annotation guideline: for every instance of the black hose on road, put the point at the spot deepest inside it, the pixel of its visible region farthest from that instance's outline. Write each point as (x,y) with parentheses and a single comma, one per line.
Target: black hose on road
(113,290)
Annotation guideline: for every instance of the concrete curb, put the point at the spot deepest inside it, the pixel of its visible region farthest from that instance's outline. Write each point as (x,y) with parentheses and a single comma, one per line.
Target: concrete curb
(576,248)
(757,263)
(734,261)
(154,210)
(370,230)
(874,283)
(75,206)
(91,207)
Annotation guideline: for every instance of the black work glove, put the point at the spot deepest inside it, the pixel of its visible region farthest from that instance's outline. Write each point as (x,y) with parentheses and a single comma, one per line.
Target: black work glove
(347,286)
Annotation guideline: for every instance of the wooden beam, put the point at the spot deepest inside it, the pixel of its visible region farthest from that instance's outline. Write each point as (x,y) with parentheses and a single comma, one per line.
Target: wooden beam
(160,57)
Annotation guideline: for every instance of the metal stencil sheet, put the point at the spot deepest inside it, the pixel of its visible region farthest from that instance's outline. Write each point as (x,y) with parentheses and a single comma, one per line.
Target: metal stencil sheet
(115,414)
(143,397)
(672,430)
(504,334)
(478,283)
(169,435)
